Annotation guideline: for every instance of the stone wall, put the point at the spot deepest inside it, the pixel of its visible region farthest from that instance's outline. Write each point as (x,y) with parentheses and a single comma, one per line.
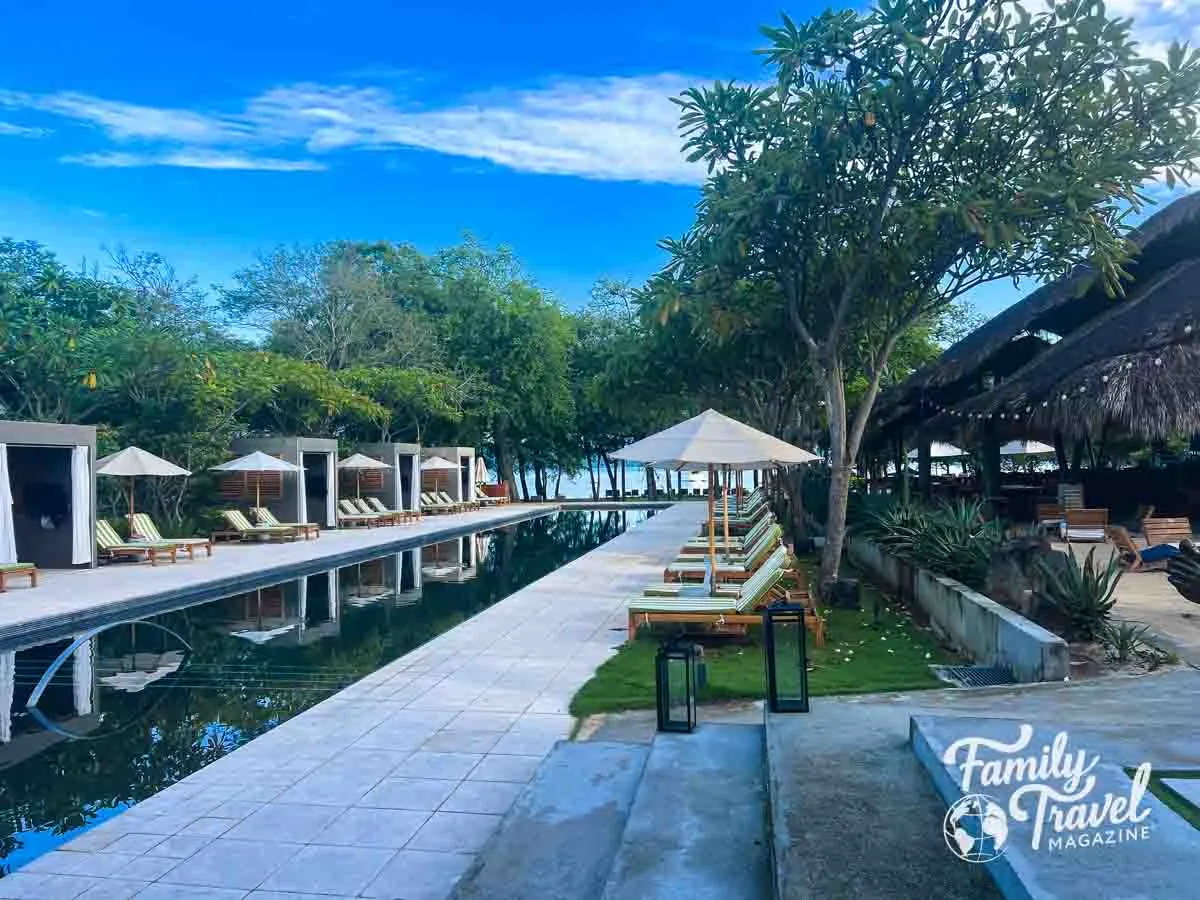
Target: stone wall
(977,626)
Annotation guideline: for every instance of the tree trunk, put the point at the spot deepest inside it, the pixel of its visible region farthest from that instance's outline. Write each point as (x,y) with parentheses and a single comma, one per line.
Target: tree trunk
(558,482)
(612,473)
(839,480)
(521,475)
(594,476)
(1060,456)
(651,484)
(504,460)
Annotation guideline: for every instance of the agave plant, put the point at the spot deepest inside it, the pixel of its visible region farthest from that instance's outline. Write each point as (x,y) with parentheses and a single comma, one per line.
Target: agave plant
(1125,640)
(1082,594)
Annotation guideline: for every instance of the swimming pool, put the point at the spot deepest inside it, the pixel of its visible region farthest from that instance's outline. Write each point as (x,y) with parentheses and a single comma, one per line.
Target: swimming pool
(137,706)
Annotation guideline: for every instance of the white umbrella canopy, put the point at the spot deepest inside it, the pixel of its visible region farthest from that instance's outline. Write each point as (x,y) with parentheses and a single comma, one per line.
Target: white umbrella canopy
(481,472)
(713,439)
(133,462)
(358,463)
(438,464)
(1025,448)
(257,462)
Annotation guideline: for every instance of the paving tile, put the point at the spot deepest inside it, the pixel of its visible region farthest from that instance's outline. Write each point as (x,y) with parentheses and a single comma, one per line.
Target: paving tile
(231,864)
(134,843)
(96,839)
(461,742)
(189,892)
(482,721)
(295,823)
(323,869)
(340,787)
(61,862)
(378,827)
(526,744)
(454,766)
(451,832)
(291,895)
(113,889)
(43,886)
(146,868)
(377,760)
(421,794)
(504,767)
(234,809)
(493,797)
(419,875)
(179,846)
(208,827)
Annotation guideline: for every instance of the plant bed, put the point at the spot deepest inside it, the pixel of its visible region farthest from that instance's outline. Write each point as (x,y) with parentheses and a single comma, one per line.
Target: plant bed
(858,658)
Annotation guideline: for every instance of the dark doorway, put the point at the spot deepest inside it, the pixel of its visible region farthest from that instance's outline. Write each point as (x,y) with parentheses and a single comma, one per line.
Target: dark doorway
(316,487)
(40,478)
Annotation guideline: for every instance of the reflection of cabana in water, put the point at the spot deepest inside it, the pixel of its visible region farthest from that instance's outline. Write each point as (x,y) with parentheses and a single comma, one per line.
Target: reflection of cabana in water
(451,561)
(17,679)
(308,496)
(51,477)
(461,484)
(286,610)
(395,578)
(398,485)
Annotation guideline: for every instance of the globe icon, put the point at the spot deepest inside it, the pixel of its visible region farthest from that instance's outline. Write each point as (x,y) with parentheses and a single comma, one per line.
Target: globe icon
(976,828)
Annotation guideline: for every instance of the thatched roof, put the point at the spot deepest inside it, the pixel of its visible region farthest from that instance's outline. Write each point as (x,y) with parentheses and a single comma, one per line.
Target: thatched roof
(1135,367)
(1012,345)
(1009,341)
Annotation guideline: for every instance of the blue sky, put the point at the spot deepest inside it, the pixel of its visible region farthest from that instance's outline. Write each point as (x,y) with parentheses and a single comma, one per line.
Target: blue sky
(210,131)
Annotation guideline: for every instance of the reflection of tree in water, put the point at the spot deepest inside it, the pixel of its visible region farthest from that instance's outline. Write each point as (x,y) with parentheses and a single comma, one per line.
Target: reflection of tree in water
(233,690)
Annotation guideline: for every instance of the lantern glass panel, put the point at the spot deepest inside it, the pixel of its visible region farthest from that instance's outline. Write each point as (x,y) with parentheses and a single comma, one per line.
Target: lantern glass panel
(787,659)
(675,677)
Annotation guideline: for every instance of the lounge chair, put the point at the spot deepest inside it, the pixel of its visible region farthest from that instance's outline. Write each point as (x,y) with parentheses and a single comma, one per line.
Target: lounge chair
(1140,559)
(776,559)
(1049,517)
(112,547)
(1084,524)
(241,528)
(485,500)
(385,518)
(265,517)
(1166,530)
(461,504)
(350,515)
(693,567)
(432,503)
(737,543)
(725,608)
(376,505)
(17,570)
(142,528)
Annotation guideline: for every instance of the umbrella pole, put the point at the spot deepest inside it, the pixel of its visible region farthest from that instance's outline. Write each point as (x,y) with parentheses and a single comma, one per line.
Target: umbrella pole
(712,527)
(358,484)
(727,511)
(132,479)
(258,490)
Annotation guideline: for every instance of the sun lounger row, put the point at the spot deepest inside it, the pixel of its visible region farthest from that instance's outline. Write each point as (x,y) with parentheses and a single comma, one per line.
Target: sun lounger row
(442,502)
(370,512)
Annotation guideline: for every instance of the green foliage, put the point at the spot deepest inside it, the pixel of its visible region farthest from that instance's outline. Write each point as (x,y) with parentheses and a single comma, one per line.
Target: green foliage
(1082,594)
(1125,641)
(954,539)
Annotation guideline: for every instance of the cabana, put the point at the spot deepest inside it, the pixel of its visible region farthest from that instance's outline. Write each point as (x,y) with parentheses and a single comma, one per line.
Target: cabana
(459,485)
(310,496)
(399,485)
(51,478)
(450,561)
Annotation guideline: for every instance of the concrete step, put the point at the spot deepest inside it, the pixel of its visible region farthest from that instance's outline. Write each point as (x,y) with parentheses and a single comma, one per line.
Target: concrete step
(698,827)
(853,813)
(559,839)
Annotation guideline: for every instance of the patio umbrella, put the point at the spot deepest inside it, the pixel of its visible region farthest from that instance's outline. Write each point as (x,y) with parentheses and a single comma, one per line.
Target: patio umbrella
(481,472)
(938,450)
(711,441)
(1025,448)
(134,461)
(357,464)
(438,464)
(257,463)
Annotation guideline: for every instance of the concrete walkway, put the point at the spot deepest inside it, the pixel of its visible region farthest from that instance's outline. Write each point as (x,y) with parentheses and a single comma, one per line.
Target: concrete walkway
(77,596)
(389,788)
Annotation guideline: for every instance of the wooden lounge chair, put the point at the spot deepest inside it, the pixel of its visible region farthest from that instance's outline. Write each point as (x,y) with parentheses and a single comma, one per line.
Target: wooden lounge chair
(736,542)
(1167,530)
(241,528)
(734,567)
(776,558)
(17,570)
(351,516)
(112,547)
(462,505)
(142,528)
(384,518)
(434,504)
(264,516)
(1049,517)
(1084,524)
(728,607)
(376,505)
(485,500)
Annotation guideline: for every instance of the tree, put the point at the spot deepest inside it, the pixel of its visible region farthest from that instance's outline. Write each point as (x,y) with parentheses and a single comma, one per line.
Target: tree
(911,153)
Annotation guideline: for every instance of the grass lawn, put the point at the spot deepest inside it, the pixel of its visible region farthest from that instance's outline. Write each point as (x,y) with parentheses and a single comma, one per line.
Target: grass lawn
(856,659)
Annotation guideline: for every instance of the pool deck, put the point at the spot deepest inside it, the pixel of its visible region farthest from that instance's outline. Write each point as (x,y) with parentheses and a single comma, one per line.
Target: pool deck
(389,788)
(84,597)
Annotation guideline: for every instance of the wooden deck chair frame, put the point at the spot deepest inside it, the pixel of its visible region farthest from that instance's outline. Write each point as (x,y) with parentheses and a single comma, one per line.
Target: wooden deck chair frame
(144,528)
(267,519)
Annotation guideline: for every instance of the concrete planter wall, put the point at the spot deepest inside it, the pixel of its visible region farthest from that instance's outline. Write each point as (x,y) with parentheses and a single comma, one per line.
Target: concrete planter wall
(977,626)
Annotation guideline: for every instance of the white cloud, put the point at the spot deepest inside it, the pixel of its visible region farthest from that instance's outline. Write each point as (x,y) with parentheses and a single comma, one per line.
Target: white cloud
(194,159)
(130,121)
(10,130)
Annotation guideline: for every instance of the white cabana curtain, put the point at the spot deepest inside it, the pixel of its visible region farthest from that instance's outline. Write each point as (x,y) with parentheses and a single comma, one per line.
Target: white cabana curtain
(81,507)
(8,681)
(414,495)
(335,602)
(302,601)
(8,536)
(331,490)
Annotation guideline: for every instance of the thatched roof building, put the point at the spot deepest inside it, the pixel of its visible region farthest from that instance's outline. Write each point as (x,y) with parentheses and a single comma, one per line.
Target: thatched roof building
(1069,359)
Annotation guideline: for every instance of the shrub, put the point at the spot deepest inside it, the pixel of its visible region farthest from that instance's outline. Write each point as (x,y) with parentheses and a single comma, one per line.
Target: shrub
(1083,595)
(1125,640)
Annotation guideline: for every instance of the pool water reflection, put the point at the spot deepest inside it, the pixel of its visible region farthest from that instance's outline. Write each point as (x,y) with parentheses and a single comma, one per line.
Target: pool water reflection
(135,707)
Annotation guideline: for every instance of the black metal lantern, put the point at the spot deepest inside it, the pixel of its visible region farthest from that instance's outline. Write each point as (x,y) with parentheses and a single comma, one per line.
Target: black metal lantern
(786,653)
(675,686)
